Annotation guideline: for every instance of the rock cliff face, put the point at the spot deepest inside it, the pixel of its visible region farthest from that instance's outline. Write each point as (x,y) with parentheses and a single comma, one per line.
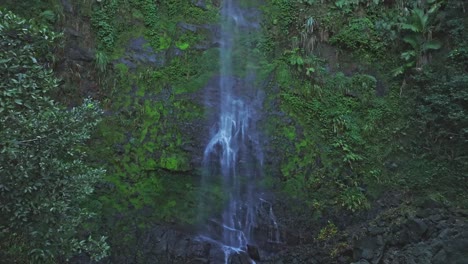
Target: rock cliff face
(392,232)
(77,66)
(430,235)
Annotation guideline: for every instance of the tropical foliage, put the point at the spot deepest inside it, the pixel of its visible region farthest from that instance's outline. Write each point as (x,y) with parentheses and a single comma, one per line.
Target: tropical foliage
(353,124)
(362,97)
(44,176)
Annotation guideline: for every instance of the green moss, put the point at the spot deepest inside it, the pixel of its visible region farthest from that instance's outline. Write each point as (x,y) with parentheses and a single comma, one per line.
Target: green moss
(128,33)
(174,162)
(290,132)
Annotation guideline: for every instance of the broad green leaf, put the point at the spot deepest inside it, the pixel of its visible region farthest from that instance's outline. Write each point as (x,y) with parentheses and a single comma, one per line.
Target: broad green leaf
(431,45)
(413,40)
(411,27)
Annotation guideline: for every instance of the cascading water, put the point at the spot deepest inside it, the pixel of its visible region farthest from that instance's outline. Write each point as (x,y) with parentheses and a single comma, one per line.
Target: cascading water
(234,152)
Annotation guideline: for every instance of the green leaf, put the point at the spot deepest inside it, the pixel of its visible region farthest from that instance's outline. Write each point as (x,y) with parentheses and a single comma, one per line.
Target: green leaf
(420,19)
(398,71)
(409,27)
(340,3)
(431,45)
(309,71)
(408,55)
(4,60)
(434,8)
(413,40)
(299,61)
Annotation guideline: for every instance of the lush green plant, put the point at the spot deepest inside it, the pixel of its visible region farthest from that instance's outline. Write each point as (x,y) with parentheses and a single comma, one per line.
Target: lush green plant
(281,15)
(45,178)
(308,2)
(441,116)
(48,12)
(342,152)
(361,38)
(349,5)
(329,231)
(101,60)
(354,199)
(105,25)
(419,38)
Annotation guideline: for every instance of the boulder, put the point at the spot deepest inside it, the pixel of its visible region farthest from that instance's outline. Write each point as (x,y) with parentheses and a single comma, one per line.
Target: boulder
(240,257)
(417,228)
(253,252)
(369,248)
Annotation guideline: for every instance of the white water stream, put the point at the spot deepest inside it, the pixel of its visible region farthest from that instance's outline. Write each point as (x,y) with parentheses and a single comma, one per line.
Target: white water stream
(234,152)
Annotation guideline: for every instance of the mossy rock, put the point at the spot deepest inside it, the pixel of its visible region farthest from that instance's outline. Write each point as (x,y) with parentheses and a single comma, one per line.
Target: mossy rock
(174,162)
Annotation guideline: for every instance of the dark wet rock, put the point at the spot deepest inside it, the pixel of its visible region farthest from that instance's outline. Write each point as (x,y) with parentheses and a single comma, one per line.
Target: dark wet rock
(454,251)
(201,249)
(80,54)
(200,261)
(369,248)
(362,261)
(431,204)
(200,4)
(239,258)
(139,52)
(188,27)
(435,218)
(176,52)
(171,244)
(417,228)
(67,6)
(376,230)
(213,33)
(461,212)
(73,33)
(389,233)
(253,252)
(381,88)
(440,257)
(411,254)
(426,239)
(213,38)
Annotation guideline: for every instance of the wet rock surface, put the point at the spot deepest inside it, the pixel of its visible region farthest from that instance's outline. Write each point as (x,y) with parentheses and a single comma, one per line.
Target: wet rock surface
(406,234)
(200,4)
(67,6)
(76,53)
(138,52)
(403,233)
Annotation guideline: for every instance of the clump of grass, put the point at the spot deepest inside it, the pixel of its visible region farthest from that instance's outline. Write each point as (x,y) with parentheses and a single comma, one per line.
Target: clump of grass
(101,61)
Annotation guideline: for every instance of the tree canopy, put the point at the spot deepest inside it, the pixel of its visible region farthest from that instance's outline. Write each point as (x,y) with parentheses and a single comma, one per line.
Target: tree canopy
(44,177)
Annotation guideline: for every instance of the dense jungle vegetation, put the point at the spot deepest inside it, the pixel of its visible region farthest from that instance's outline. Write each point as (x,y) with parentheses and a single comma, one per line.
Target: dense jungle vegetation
(102,120)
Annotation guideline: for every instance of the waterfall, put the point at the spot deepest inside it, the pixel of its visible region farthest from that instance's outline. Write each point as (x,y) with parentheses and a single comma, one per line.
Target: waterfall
(233,151)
